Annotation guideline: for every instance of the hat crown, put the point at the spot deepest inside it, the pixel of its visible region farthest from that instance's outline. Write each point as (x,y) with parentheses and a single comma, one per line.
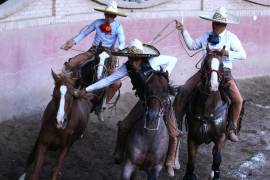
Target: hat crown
(112,6)
(221,15)
(135,46)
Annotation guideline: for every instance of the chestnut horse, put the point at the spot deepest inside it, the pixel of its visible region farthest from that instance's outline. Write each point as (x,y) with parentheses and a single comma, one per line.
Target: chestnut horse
(147,144)
(207,114)
(64,121)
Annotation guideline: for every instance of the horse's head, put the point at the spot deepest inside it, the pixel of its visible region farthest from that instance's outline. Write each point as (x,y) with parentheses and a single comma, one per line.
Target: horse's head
(101,55)
(156,98)
(63,96)
(213,69)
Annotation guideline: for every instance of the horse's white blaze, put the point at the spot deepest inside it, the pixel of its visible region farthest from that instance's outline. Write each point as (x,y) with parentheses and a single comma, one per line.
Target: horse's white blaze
(214,76)
(102,57)
(61,110)
(22,177)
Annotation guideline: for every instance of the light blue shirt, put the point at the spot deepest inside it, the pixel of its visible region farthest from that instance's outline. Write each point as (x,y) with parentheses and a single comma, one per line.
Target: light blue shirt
(107,40)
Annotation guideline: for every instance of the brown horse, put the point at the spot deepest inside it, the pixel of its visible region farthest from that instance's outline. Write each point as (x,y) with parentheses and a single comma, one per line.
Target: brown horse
(64,120)
(207,113)
(148,140)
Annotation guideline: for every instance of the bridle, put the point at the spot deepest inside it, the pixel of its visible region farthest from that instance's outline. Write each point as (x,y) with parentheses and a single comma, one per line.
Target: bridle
(207,71)
(163,104)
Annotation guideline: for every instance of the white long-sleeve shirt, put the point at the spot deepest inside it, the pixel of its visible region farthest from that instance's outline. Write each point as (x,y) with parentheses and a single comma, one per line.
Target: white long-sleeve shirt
(166,62)
(227,38)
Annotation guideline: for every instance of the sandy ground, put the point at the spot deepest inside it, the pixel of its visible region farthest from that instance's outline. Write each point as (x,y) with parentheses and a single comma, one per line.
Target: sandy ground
(90,157)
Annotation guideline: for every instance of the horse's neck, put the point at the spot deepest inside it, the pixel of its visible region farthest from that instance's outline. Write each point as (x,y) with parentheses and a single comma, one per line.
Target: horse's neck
(213,101)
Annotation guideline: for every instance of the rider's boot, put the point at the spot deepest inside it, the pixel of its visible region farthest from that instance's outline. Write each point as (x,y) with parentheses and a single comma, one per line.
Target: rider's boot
(111,91)
(118,154)
(170,161)
(232,132)
(100,116)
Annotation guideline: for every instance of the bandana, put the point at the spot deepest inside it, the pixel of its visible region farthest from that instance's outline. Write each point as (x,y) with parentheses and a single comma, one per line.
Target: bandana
(106,28)
(213,39)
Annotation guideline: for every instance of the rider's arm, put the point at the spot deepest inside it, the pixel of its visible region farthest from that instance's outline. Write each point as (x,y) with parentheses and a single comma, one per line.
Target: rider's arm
(84,32)
(105,82)
(236,51)
(191,43)
(121,37)
(166,62)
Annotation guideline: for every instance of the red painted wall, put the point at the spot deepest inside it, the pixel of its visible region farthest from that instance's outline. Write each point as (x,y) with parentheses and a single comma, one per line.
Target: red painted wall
(28,55)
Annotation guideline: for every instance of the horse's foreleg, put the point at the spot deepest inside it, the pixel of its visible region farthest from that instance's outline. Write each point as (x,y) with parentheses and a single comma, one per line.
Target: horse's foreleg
(127,170)
(154,173)
(40,154)
(217,157)
(192,152)
(29,161)
(59,162)
(177,163)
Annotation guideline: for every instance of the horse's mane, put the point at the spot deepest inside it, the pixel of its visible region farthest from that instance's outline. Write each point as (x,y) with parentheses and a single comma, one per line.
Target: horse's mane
(70,81)
(162,73)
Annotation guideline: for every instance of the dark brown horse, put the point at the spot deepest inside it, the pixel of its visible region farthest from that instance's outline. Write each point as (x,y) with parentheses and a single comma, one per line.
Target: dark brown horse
(64,121)
(148,140)
(94,69)
(206,114)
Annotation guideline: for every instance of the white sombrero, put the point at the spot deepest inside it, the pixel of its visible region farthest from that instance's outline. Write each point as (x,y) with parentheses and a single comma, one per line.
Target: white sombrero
(111,9)
(221,15)
(137,49)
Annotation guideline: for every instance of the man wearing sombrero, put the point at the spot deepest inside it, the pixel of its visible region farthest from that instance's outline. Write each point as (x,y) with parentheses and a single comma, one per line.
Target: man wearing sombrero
(142,59)
(216,39)
(108,31)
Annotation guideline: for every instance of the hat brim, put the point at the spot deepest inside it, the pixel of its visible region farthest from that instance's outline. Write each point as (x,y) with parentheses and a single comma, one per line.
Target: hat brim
(229,20)
(110,12)
(149,51)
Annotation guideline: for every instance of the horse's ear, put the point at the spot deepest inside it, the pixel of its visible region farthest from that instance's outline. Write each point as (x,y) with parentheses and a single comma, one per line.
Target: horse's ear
(54,75)
(167,73)
(161,69)
(223,50)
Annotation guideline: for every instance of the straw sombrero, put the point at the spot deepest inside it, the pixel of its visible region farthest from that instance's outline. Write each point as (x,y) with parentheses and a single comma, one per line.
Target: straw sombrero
(137,49)
(221,15)
(111,9)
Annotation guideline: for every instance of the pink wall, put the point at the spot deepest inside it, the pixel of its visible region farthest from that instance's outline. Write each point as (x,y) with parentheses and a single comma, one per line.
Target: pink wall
(29,54)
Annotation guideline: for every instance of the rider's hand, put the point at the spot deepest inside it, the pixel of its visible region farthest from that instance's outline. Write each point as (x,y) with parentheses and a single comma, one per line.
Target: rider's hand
(68,45)
(179,26)
(76,92)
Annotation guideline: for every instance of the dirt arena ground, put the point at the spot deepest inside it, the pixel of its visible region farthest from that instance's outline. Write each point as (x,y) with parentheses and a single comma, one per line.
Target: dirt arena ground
(90,157)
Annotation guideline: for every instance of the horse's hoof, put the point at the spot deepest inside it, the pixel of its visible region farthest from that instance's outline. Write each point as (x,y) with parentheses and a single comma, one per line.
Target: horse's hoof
(100,117)
(117,158)
(22,177)
(190,177)
(177,165)
(170,171)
